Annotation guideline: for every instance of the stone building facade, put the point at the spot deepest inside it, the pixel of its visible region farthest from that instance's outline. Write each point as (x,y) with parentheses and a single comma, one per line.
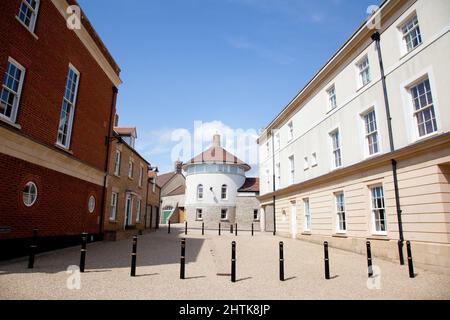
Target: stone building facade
(363,151)
(127,188)
(217,190)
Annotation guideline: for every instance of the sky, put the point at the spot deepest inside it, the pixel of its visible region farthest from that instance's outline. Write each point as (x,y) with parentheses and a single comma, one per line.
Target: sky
(226,64)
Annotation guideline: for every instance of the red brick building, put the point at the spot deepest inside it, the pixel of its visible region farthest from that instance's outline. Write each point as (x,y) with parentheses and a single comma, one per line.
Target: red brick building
(58,91)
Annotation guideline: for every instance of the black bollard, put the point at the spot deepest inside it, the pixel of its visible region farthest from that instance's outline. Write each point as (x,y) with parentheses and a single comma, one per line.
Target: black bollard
(281,261)
(410,260)
(33,249)
(252,230)
(233,261)
(183,258)
(83,251)
(231,228)
(219,228)
(400,252)
(235,230)
(203,228)
(369,259)
(327,262)
(133,257)
(168,229)
(185,227)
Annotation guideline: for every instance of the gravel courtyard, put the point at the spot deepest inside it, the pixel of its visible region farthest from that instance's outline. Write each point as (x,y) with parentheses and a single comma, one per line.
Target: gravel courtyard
(107,273)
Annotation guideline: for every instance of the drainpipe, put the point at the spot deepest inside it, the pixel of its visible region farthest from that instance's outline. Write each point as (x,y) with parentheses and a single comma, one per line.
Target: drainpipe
(376,38)
(108,147)
(274,185)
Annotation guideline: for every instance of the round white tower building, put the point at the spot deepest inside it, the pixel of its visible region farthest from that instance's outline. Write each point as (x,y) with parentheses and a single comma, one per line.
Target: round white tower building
(213,180)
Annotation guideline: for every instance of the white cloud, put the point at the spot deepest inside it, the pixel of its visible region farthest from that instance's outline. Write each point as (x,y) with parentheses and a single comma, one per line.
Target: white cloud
(162,147)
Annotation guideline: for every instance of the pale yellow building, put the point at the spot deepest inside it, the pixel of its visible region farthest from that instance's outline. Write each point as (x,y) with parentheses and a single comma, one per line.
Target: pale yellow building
(330,158)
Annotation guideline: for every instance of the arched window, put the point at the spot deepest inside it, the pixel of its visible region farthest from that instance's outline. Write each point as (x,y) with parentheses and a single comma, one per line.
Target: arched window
(224,193)
(29,194)
(200,192)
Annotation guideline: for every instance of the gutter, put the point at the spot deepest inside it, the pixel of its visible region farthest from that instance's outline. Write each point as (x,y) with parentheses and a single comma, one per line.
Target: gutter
(108,147)
(376,38)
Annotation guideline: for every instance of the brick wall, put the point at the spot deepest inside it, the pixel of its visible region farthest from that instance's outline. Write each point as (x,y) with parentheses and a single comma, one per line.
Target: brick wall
(61,207)
(123,184)
(46,60)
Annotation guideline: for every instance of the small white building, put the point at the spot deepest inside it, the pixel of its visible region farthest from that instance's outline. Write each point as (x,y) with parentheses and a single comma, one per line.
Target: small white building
(218,191)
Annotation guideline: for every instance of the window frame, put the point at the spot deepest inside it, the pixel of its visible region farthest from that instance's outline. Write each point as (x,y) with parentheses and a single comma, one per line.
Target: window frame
(18,94)
(314,162)
(34,17)
(422,109)
(291,160)
(258,218)
(363,115)
(340,213)
(332,97)
(290,126)
(73,105)
(131,169)
(222,192)
(117,162)
(306,165)
(307,223)
(200,192)
(92,210)
(226,214)
(113,204)
(372,211)
(363,73)
(197,212)
(334,150)
(30,183)
(278,175)
(138,211)
(403,36)
(141,176)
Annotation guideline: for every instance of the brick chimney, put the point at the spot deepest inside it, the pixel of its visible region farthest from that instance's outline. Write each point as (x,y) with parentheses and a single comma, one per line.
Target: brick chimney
(216,140)
(178,166)
(116,120)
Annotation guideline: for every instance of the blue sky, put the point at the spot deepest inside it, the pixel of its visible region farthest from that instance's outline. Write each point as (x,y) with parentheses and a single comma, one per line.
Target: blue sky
(229,63)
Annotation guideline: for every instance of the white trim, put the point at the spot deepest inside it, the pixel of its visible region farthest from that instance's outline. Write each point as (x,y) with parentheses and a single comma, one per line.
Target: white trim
(372,217)
(363,135)
(305,220)
(34,17)
(90,44)
(332,150)
(226,214)
(72,114)
(92,209)
(13,118)
(114,201)
(35,199)
(408,107)
(337,223)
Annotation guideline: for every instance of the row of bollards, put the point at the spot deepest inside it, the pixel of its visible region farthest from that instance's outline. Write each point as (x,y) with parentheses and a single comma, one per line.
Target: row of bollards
(233,228)
(33,249)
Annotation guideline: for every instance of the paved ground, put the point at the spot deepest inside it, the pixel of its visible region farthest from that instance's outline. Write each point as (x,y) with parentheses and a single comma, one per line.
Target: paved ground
(207,272)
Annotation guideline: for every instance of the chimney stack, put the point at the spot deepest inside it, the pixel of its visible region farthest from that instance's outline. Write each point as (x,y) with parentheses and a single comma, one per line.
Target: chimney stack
(216,140)
(116,120)
(179,167)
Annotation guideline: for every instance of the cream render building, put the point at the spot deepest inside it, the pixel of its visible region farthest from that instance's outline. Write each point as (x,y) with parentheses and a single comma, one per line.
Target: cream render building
(363,151)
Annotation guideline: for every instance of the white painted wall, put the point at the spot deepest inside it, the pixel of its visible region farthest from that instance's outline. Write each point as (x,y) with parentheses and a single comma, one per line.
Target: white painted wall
(313,120)
(214,180)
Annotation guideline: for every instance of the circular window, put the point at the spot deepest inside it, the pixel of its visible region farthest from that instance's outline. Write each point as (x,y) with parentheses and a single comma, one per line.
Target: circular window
(91,204)
(29,194)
